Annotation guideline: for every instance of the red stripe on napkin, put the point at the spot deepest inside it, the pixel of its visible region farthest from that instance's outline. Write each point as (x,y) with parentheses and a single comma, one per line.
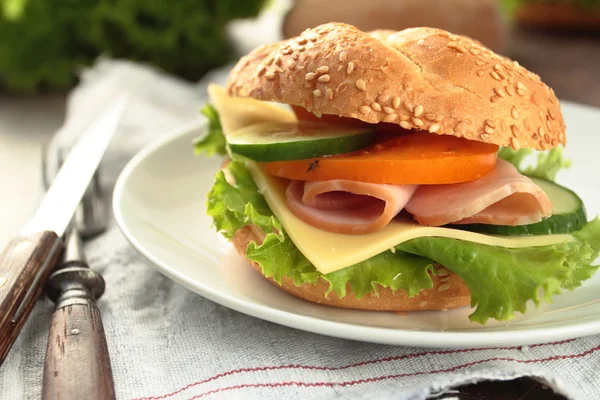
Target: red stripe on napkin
(389,377)
(359,364)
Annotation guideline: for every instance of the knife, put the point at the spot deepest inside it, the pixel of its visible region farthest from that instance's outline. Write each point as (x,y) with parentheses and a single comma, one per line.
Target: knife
(28,260)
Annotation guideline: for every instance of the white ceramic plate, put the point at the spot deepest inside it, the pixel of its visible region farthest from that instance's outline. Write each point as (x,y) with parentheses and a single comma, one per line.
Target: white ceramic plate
(159,205)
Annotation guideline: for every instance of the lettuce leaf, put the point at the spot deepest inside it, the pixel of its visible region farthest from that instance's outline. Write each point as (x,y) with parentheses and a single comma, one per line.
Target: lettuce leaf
(501,280)
(548,163)
(214,140)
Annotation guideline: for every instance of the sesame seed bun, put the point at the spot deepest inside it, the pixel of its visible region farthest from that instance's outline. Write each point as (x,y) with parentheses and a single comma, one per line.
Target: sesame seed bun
(449,291)
(419,78)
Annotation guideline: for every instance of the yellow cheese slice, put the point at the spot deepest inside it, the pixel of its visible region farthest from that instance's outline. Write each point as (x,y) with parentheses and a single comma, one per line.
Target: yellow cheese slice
(239,112)
(330,252)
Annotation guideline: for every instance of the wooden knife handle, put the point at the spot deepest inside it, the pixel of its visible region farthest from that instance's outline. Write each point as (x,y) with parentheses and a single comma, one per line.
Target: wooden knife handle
(25,265)
(77,364)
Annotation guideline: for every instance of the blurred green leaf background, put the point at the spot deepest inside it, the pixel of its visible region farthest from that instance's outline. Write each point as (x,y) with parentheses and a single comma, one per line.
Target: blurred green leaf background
(43,43)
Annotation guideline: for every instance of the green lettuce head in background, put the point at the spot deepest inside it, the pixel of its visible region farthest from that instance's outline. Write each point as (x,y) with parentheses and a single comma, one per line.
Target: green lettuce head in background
(44,43)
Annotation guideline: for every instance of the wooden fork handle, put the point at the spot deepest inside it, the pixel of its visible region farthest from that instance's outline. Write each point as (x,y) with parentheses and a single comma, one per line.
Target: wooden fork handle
(77,364)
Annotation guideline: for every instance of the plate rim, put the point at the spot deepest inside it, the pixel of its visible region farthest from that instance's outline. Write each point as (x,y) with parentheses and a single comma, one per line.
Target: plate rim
(344,330)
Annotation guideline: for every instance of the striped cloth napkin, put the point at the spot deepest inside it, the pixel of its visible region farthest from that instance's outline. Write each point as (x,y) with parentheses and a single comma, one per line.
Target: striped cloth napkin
(166,342)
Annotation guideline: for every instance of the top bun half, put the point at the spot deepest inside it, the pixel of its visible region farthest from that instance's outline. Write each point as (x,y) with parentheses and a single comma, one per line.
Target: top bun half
(419,78)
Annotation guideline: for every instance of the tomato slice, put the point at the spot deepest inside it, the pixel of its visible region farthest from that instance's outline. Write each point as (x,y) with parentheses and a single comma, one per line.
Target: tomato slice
(411,158)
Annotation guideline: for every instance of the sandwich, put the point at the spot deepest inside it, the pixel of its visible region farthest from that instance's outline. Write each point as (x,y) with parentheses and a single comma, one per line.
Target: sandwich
(388,171)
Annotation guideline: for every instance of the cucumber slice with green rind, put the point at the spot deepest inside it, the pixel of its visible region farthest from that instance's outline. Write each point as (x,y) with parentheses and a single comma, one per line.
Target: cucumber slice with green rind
(568,215)
(292,141)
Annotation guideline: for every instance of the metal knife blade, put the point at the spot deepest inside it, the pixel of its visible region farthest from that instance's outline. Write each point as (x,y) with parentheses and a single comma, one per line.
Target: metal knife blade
(28,260)
(64,195)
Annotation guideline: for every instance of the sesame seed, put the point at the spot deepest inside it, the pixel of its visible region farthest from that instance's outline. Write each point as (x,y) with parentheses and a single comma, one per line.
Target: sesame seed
(496,76)
(443,287)
(480,73)
(474,52)
(388,110)
(375,106)
(550,114)
(549,124)
(310,76)
(514,143)
(522,87)
(510,90)
(286,51)
(534,136)
(418,111)
(439,118)
(404,124)
(277,60)
(390,118)
(302,40)
(417,122)
(484,136)
(499,92)
(489,123)
(521,92)
(361,85)
(270,61)
(383,98)
(515,130)
(317,55)
(329,93)
(396,102)
(317,93)
(445,279)
(498,67)
(494,99)
(262,70)
(350,67)
(322,69)
(489,130)
(290,64)
(442,271)
(270,75)
(365,109)
(546,138)
(295,55)
(502,75)
(343,56)
(541,131)
(324,78)
(312,38)
(480,63)
(434,128)
(408,106)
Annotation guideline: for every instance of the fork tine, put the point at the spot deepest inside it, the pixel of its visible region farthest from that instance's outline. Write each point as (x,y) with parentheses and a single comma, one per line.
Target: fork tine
(91,215)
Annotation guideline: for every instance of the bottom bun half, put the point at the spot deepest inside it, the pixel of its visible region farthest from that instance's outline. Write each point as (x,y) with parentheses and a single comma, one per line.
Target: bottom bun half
(450,293)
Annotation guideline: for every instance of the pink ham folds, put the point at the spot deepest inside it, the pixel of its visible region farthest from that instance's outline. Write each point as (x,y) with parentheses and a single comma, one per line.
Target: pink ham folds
(502,197)
(344,206)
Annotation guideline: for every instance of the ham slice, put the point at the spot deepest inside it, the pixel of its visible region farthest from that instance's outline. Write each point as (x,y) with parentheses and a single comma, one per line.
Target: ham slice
(502,197)
(348,207)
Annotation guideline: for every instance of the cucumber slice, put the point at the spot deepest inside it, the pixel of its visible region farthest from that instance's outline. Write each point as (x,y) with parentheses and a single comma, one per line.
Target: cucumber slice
(568,215)
(276,141)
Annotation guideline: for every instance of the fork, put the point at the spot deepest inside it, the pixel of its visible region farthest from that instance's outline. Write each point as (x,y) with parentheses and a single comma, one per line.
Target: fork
(77,363)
